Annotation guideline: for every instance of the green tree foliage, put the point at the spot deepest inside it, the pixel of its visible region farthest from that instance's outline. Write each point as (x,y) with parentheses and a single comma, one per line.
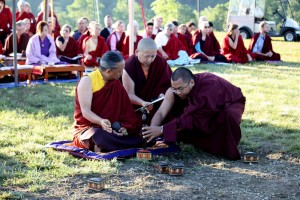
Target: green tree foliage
(172,9)
(217,15)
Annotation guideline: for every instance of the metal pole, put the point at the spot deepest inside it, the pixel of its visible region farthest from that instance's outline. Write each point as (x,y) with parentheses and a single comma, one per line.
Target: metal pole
(46,10)
(198,8)
(131,26)
(98,14)
(15,44)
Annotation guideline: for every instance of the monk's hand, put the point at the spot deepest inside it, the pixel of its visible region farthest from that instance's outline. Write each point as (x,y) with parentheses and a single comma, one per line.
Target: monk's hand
(270,54)
(211,58)
(151,132)
(161,95)
(123,131)
(106,125)
(147,106)
(165,56)
(88,57)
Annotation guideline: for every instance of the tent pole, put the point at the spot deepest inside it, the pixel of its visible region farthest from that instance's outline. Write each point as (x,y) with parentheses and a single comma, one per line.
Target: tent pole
(16,76)
(131,26)
(46,10)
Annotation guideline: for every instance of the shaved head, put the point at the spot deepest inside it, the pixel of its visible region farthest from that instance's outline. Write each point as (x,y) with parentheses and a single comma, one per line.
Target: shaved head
(146,44)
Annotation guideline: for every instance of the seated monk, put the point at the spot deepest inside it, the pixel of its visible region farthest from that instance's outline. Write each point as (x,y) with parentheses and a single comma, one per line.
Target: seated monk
(52,30)
(206,110)
(203,45)
(66,45)
(261,45)
(137,38)
(101,101)
(146,75)
(149,31)
(83,36)
(116,39)
(41,14)
(27,27)
(41,47)
(22,40)
(182,28)
(94,46)
(168,45)
(233,46)
(215,42)
(24,13)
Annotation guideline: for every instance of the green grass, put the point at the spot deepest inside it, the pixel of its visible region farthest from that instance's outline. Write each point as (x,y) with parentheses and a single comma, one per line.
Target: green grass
(34,116)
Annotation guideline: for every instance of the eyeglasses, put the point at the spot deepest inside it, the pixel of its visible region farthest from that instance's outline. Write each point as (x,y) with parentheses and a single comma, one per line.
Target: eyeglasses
(180,89)
(206,26)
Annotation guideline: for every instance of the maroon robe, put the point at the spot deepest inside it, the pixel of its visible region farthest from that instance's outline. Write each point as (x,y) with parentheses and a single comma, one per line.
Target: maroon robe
(215,43)
(206,48)
(40,18)
(21,45)
(125,48)
(189,42)
(80,41)
(98,53)
(266,48)
(119,42)
(5,23)
(238,55)
(1,52)
(71,49)
(172,47)
(157,82)
(183,40)
(31,18)
(210,118)
(110,102)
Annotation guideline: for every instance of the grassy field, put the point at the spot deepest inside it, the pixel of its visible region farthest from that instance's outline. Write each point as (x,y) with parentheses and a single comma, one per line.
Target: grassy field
(33,116)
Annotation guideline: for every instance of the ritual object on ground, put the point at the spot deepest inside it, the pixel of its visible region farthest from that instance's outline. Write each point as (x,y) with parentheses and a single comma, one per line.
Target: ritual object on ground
(251,157)
(96,184)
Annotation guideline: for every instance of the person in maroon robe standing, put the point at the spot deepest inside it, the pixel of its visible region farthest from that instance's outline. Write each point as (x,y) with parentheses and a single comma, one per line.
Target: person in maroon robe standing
(5,21)
(146,76)
(116,39)
(208,113)
(100,102)
(94,46)
(233,47)
(22,14)
(137,38)
(203,45)
(22,40)
(261,46)
(66,46)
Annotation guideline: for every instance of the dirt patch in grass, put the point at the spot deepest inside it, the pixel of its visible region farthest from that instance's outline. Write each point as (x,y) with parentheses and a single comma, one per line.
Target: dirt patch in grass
(276,176)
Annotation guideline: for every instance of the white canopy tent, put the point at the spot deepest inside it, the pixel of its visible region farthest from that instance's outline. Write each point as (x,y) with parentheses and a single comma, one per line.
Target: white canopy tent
(46,3)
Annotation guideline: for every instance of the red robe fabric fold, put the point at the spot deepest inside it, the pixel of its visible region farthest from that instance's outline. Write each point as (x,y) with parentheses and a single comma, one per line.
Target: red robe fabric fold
(71,49)
(216,44)
(210,117)
(29,16)
(112,103)
(172,47)
(21,45)
(266,48)
(5,24)
(1,52)
(189,42)
(40,18)
(238,55)
(98,53)
(157,82)
(80,41)
(119,43)
(184,42)
(125,48)
(206,48)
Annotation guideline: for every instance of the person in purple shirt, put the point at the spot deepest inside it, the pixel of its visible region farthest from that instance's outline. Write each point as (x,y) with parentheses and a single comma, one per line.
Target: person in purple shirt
(41,48)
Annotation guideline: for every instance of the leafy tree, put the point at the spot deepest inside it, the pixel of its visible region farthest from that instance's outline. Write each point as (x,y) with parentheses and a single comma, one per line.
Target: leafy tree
(217,15)
(172,9)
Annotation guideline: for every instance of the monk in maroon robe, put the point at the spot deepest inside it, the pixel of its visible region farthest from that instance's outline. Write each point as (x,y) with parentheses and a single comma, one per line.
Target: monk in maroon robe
(208,113)
(81,39)
(215,42)
(100,102)
(233,47)
(21,14)
(261,46)
(41,14)
(116,39)
(22,40)
(94,46)
(136,39)
(5,21)
(146,75)
(204,46)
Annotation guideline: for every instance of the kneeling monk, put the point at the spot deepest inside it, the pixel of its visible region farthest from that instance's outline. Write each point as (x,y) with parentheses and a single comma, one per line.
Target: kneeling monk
(207,112)
(101,101)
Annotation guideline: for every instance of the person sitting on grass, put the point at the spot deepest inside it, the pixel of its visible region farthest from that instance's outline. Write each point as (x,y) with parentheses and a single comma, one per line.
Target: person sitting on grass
(233,46)
(206,110)
(100,101)
(41,47)
(261,45)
